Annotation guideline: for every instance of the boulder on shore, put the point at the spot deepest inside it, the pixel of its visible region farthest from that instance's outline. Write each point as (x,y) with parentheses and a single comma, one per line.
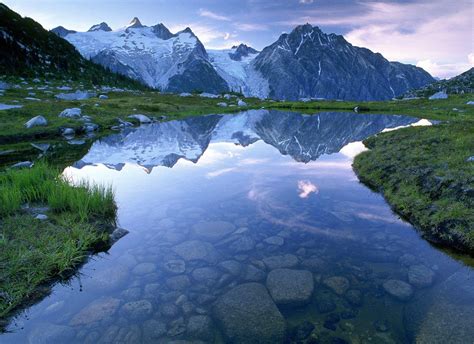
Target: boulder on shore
(71,113)
(37,121)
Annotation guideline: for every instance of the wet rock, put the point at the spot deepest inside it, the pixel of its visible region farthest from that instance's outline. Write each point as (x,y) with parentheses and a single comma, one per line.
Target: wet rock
(302,331)
(205,274)
(354,297)
(137,310)
(290,287)
(109,278)
(153,330)
(96,311)
(37,121)
(253,274)
(338,284)
(117,234)
(71,113)
(398,289)
(279,262)
(46,333)
(247,312)
(231,266)
(325,303)
(213,230)
(314,264)
(407,259)
(175,266)
(144,268)
(196,250)
(420,276)
(382,325)
(169,310)
(179,282)
(275,240)
(331,321)
(243,244)
(200,327)
(177,328)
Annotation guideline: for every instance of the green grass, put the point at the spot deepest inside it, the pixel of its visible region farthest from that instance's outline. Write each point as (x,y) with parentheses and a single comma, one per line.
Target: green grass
(424,174)
(34,252)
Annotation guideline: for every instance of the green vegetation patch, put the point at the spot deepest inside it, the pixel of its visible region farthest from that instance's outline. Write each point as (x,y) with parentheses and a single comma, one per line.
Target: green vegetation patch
(426,175)
(35,252)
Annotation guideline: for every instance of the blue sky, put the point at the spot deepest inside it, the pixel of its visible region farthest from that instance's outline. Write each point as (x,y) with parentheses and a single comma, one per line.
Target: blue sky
(437,35)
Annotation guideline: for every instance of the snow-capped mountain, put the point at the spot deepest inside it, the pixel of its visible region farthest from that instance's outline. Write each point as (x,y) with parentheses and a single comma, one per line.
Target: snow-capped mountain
(309,63)
(304,138)
(306,63)
(173,62)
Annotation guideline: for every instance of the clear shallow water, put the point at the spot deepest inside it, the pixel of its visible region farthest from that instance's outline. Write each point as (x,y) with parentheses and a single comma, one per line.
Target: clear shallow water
(215,203)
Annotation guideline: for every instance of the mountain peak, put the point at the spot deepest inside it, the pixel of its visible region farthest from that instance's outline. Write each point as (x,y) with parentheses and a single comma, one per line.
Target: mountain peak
(161,31)
(61,31)
(134,23)
(100,27)
(242,50)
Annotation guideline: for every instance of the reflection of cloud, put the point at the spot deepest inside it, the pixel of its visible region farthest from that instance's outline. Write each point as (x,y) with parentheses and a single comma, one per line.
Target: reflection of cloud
(250,161)
(217,173)
(420,123)
(352,149)
(305,188)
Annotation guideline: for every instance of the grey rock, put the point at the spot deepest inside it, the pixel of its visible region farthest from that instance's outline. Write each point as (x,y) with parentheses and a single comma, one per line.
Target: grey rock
(41,217)
(96,311)
(196,250)
(243,244)
(46,333)
(282,261)
(103,96)
(175,266)
(338,284)
(90,127)
(439,95)
(240,102)
(144,268)
(247,312)
(420,276)
(137,310)
(200,327)
(68,131)
(71,113)
(275,240)
(290,287)
(213,230)
(36,122)
(398,289)
(117,234)
(78,95)
(179,282)
(143,119)
(23,164)
(205,274)
(222,104)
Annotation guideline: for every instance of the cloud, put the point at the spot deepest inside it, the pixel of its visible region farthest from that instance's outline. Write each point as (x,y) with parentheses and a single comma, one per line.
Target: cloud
(205,33)
(250,27)
(446,70)
(306,2)
(219,172)
(306,188)
(208,14)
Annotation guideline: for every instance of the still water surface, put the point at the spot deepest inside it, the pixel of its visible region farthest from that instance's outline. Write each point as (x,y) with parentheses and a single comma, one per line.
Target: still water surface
(253,228)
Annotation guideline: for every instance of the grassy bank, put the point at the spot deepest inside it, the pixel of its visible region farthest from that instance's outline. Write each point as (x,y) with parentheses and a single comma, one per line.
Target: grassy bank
(425,175)
(35,252)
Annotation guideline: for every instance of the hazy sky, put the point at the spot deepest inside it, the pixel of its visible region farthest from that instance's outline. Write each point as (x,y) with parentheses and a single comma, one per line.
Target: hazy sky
(437,35)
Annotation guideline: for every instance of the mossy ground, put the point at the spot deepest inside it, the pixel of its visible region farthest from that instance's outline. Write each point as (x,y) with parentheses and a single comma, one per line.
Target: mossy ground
(35,252)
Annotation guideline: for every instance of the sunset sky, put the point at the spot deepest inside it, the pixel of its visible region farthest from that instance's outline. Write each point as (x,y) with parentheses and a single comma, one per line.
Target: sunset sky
(437,35)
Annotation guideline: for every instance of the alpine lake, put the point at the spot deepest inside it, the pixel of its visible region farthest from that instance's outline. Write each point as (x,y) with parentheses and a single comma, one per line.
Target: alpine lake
(253,228)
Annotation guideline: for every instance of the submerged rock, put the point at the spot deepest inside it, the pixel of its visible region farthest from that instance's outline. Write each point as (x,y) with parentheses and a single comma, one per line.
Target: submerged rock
(213,230)
(247,313)
(175,266)
(337,284)
(137,310)
(196,250)
(398,289)
(96,311)
(290,287)
(200,327)
(46,333)
(283,261)
(420,276)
